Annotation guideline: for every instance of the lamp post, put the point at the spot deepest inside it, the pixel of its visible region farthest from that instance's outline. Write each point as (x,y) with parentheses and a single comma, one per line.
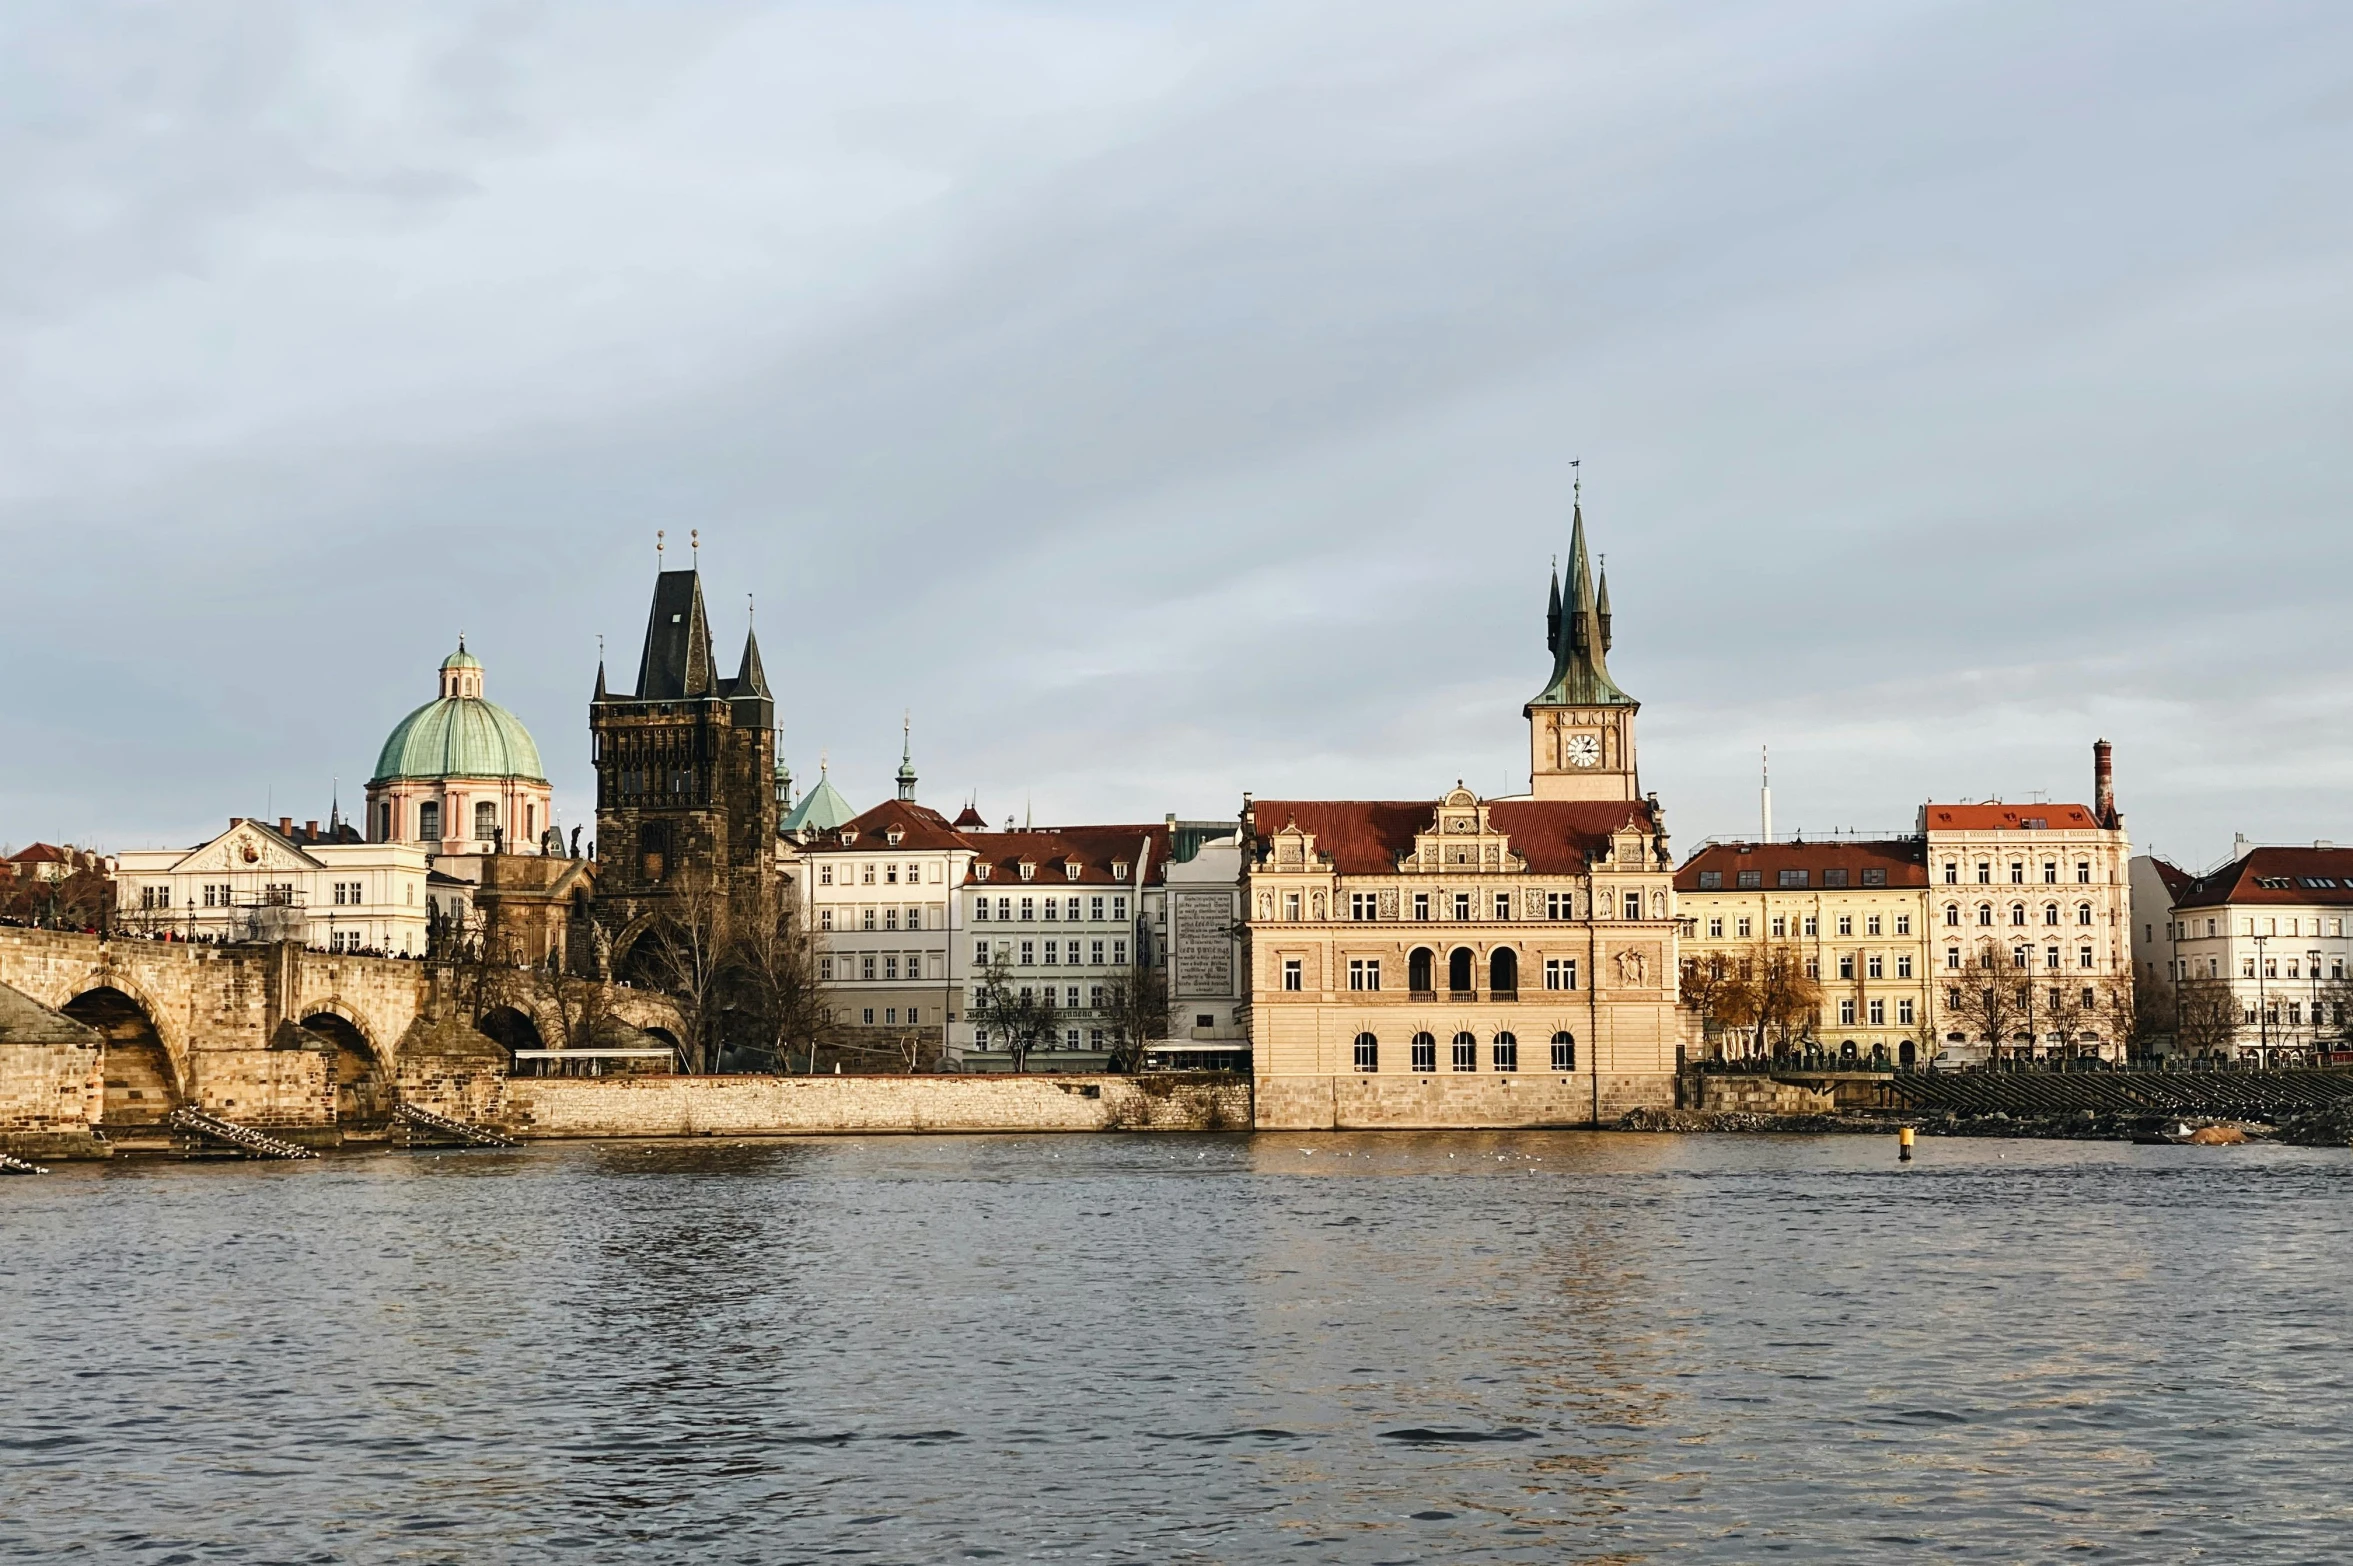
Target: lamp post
(2262,1003)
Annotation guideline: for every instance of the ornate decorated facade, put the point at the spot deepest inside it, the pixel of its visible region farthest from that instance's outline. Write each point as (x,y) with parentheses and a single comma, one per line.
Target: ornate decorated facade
(1474,962)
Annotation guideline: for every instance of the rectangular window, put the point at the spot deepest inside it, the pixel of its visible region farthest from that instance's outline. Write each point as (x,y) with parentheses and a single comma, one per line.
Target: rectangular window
(1095,953)
(1715,929)
(1871,925)
(1560,905)
(869,1016)
(890,966)
(2083,872)
(1874,878)
(866,967)
(1751,878)
(1633,905)
(2017,872)
(1053,908)
(1985,872)
(1094,997)
(1364,905)
(1793,878)
(1070,1002)
(1029,909)
(1903,965)
(1070,908)
(2084,957)
(1846,1013)
(1813,925)
(1874,967)
(1364,973)
(980,954)
(1503,905)
(1291,905)
(1029,954)
(1780,925)
(1119,954)
(1004,909)
(890,873)
(1878,1014)
(1903,924)
(1053,953)
(890,1016)
(866,877)
(825,875)
(1834,878)
(1294,974)
(1846,965)
(980,910)
(2050,872)
(1095,909)
(1560,973)
(1462,905)
(1846,924)
(866,918)
(890,918)
(1421,905)
(1903,1013)
(1741,927)
(1711,880)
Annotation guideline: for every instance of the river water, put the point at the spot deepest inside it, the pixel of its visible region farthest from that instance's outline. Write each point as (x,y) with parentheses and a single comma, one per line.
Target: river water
(1517,1347)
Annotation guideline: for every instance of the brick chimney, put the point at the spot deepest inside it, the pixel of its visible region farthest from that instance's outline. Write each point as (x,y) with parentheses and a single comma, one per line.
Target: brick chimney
(2104,782)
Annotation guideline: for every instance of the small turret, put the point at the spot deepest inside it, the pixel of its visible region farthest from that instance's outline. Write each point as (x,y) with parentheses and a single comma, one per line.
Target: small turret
(907,758)
(1552,615)
(1601,607)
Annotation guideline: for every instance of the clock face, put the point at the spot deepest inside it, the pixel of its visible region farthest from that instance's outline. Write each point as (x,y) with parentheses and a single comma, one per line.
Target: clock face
(1582,750)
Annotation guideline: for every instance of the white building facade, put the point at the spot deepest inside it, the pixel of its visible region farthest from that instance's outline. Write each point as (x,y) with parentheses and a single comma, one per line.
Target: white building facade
(2269,929)
(881,896)
(328,890)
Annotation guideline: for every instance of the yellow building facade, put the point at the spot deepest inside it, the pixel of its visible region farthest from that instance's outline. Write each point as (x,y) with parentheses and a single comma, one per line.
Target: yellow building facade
(1474,962)
(1853,915)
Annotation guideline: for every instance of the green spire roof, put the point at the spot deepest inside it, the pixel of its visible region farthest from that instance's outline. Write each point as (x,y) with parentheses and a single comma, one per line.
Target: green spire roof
(821,809)
(461,659)
(1580,668)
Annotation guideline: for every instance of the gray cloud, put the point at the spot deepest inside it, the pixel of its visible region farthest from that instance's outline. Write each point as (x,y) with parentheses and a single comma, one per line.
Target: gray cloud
(1172,401)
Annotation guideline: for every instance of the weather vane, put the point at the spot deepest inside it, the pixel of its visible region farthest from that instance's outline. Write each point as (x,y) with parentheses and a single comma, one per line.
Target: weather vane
(659,535)
(1576,479)
(694,542)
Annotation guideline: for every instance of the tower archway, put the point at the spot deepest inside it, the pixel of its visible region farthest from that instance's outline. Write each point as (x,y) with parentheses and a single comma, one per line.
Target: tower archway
(141,1086)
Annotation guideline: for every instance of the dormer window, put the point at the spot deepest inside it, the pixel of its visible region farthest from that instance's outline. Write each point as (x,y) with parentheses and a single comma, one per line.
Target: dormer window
(1071,869)
(893,836)
(849,835)
(1029,872)
(1118,869)
(980,872)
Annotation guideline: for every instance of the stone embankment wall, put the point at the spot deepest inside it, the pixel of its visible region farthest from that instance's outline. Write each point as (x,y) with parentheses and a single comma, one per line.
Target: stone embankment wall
(1733,1094)
(767,1106)
(1438,1101)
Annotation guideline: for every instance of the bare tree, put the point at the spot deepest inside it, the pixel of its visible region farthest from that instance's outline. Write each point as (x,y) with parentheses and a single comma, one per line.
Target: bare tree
(2206,1017)
(1018,1014)
(771,997)
(1992,998)
(684,953)
(577,1007)
(1135,1014)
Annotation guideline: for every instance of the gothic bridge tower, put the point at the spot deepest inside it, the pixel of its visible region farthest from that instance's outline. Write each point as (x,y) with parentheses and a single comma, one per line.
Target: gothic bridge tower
(685,766)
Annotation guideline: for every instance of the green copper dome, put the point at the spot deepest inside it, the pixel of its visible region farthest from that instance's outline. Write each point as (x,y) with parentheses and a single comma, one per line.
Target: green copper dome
(461,735)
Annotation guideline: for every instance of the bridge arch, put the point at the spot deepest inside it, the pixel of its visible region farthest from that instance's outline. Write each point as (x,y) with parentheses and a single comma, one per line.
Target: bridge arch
(363,1078)
(143,1080)
(512,1027)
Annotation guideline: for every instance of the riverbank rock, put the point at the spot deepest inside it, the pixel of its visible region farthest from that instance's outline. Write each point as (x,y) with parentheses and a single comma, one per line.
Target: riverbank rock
(2330,1127)
(1746,1121)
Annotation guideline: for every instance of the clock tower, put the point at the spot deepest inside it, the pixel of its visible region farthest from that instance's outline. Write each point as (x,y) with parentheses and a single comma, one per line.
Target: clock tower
(1581,726)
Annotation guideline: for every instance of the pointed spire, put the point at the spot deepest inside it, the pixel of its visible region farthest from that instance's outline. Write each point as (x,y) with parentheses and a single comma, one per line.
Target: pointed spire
(1601,605)
(907,756)
(677,657)
(1580,674)
(600,669)
(1552,614)
(750,678)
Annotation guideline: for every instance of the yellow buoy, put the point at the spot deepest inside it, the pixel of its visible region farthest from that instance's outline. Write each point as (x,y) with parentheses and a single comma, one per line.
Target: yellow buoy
(1903,1145)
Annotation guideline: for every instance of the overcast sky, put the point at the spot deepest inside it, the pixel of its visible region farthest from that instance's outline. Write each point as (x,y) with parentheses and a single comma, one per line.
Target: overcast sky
(1164,401)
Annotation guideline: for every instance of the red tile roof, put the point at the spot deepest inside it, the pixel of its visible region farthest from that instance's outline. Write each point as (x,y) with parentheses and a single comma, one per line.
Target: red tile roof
(1904,860)
(1367,836)
(1095,849)
(920,828)
(2279,877)
(2176,879)
(2007,818)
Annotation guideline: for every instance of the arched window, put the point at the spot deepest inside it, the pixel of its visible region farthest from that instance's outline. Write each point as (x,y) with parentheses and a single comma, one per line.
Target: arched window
(1425,1052)
(1458,970)
(1503,973)
(1952,914)
(2017,913)
(1985,913)
(2083,913)
(1564,1052)
(485,817)
(1466,1052)
(1507,1052)
(2050,913)
(1368,1052)
(1417,971)
(429,820)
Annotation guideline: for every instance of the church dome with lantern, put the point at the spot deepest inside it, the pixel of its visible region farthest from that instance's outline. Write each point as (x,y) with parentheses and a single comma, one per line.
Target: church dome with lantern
(460,774)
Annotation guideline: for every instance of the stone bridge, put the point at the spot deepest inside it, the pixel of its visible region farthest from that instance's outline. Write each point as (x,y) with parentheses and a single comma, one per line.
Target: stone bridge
(315,1043)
